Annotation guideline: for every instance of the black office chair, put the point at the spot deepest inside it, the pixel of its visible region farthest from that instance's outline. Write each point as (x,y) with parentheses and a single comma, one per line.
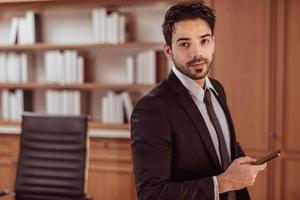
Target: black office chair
(52,158)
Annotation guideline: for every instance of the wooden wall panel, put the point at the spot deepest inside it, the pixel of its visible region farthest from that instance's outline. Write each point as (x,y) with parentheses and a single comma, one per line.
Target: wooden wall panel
(291,99)
(242,64)
(290,180)
(288,115)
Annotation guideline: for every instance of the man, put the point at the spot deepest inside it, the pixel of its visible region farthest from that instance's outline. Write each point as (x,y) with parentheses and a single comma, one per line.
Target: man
(183,140)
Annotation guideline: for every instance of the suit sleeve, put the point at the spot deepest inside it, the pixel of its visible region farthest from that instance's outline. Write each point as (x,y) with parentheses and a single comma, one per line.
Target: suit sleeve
(151,146)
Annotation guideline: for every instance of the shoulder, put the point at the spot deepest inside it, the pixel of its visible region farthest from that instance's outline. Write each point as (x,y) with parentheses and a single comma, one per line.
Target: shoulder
(156,98)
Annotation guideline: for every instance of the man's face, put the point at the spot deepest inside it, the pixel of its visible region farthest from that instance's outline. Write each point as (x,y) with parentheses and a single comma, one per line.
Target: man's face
(192,48)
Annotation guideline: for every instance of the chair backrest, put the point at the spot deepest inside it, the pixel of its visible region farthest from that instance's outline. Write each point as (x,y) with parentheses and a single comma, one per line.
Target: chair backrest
(52,158)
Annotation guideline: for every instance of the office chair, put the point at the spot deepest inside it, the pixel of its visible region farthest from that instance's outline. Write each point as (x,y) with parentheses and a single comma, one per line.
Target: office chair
(52,158)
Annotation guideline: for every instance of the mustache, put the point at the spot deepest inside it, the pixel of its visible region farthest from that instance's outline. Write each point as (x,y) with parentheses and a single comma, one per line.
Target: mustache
(197,60)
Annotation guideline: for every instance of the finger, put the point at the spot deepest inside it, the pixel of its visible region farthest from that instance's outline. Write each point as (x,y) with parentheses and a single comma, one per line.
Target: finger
(259,167)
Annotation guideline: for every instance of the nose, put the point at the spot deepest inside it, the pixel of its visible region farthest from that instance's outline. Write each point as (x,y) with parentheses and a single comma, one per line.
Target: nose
(196,51)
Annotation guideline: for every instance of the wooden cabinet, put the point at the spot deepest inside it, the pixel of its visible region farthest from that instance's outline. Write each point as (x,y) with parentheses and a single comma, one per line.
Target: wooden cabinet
(110,170)
(110,174)
(9,145)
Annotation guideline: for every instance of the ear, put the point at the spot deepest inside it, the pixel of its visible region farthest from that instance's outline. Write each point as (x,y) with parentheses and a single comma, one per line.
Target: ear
(168,51)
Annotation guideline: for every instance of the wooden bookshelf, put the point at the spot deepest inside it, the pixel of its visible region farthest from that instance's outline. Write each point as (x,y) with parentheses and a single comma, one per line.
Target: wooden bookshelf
(45,46)
(84,86)
(66,25)
(91,125)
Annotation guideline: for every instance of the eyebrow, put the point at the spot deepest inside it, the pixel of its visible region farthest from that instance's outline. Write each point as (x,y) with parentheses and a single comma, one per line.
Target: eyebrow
(185,39)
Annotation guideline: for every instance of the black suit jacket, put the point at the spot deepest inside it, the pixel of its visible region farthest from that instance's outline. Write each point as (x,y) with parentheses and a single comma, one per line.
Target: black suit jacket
(173,153)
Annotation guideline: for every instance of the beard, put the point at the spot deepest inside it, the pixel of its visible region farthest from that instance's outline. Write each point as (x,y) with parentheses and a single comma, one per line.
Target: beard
(192,71)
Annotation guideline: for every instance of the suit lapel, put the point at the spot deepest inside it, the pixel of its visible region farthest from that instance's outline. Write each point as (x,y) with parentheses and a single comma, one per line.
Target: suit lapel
(195,116)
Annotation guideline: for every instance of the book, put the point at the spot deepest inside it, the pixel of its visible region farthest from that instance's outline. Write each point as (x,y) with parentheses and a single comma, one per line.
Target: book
(3,68)
(128,105)
(24,67)
(30,27)
(130,65)
(5,104)
(13,35)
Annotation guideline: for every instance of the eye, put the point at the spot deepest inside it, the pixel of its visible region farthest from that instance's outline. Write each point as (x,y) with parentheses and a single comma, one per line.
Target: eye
(205,41)
(184,44)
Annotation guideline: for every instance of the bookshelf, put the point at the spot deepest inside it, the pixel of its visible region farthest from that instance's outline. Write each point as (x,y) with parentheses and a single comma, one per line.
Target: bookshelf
(65,26)
(103,71)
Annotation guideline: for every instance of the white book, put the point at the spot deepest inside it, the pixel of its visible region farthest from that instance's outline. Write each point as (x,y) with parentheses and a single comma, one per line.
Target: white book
(119,110)
(77,102)
(50,62)
(5,104)
(70,102)
(74,66)
(3,68)
(71,63)
(57,103)
(96,16)
(127,104)
(14,28)
(47,68)
(80,70)
(109,29)
(30,27)
(103,25)
(130,69)
(150,74)
(60,68)
(13,68)
(19,104)
(49,102)
(22,33)
(24,67)
(115,27)
(13,106)
(122,29)
(105,109)
(140,68)
(111,106)
(64,97)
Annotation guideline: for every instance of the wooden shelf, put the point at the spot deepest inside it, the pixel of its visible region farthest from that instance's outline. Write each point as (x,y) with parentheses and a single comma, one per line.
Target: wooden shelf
(98,2)
(84,86)
(91,125)
(45,46)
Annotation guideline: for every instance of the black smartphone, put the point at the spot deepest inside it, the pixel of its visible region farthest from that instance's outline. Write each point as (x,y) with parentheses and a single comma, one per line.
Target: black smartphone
(267,157)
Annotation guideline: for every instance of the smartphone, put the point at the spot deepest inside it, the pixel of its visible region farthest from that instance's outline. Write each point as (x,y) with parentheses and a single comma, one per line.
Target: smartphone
(267,157)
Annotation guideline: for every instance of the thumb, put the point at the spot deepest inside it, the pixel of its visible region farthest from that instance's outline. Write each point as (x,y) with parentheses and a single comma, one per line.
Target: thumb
(245,160)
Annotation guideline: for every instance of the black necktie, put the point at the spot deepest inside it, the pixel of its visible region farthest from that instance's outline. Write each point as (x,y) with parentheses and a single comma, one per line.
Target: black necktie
(222,144)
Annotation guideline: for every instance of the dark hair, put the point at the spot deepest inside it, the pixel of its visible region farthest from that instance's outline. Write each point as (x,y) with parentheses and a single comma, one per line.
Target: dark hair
(185,11)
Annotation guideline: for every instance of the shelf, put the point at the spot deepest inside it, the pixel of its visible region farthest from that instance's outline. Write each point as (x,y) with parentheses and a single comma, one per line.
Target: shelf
(91,125)
(45,46)
(84,86)
(98,2)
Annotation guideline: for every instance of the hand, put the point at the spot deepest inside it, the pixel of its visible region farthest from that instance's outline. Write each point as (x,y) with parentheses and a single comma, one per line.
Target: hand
(239,174)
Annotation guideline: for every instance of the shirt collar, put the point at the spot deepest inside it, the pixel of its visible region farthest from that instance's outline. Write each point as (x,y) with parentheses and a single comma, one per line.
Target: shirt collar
(192,86)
